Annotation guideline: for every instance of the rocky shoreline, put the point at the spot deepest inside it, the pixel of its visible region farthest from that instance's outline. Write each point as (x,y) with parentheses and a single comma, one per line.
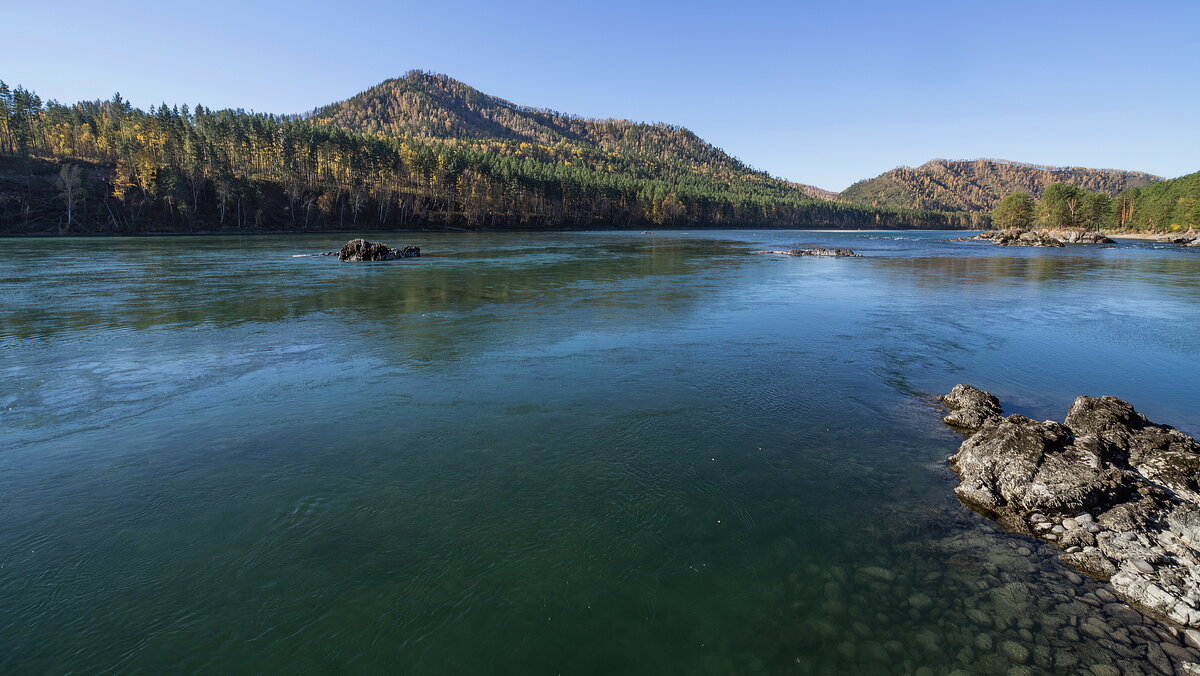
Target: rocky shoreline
(1116,493)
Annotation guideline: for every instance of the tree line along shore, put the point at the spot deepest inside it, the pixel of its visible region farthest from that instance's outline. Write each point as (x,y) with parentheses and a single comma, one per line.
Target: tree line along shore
(106,167)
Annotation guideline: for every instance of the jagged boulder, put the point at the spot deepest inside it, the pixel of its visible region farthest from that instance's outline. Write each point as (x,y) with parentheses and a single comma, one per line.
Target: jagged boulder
(970,407)
(362,250)
(816,252)
(1118,493)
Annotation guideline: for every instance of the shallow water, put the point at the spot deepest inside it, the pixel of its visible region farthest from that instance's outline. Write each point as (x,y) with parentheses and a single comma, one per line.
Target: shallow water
(553,452)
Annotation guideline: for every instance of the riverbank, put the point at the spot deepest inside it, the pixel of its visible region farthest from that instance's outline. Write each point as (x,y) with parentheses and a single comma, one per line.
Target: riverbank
(1146,236)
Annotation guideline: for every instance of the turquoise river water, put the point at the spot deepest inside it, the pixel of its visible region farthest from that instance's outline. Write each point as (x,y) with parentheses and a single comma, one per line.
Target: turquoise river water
(553,453)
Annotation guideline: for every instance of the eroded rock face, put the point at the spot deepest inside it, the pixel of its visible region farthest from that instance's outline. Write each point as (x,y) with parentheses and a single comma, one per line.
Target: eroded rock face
(816,252)
(1118,493)
(362,250)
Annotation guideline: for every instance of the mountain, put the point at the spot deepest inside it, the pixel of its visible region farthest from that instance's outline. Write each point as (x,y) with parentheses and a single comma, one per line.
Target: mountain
(977,185)
(420,151)
(434,106)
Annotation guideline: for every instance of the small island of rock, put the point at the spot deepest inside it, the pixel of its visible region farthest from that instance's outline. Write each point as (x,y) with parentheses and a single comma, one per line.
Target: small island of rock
(1053,238)
(815,252)
(362,250)
(1120,495)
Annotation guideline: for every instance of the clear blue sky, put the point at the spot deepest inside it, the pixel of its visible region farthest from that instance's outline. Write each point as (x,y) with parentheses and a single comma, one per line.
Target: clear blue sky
(823,93)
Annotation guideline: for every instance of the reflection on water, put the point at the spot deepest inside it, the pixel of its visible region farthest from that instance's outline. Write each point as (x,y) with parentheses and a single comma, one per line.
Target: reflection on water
(567,452)
(1176,275)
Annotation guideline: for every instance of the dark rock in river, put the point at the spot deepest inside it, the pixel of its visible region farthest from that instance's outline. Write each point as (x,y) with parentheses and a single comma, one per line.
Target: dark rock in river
(816,252)
(362,250)
(1122,492)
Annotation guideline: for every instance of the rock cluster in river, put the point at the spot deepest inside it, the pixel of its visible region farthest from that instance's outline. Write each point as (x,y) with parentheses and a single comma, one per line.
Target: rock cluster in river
(815,252)
(1053,238)
(362,250)
(1188,238)
(1118,494)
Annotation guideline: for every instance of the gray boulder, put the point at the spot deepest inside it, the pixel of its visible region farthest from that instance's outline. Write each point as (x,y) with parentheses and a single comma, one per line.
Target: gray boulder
(970,408)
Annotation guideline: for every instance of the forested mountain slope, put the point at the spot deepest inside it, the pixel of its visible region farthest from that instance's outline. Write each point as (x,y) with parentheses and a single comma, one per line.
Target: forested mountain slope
(427,105)
(977,185)
(107,167)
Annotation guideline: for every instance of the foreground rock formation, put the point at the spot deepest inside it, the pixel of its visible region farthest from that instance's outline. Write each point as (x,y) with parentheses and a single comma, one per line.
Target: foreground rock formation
(815,252)
(1055,238)
(1120,495)
(362,250)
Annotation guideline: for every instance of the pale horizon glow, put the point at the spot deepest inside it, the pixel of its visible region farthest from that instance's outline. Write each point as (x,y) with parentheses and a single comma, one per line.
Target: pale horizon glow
(816,94)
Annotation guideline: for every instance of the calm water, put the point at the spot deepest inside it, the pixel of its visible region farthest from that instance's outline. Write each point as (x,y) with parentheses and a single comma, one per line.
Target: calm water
(548,453)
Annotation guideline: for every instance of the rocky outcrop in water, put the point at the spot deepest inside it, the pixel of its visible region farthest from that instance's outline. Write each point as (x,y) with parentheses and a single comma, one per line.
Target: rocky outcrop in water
(362,250)
(1188,238)
(1119,494)
(846,253)
(1050,238)
(1077,236)
(1020,238)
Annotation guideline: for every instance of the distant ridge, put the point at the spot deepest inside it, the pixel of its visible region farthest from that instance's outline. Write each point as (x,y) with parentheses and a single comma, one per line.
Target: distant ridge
(815,192)
(1043,167)
(977,185)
